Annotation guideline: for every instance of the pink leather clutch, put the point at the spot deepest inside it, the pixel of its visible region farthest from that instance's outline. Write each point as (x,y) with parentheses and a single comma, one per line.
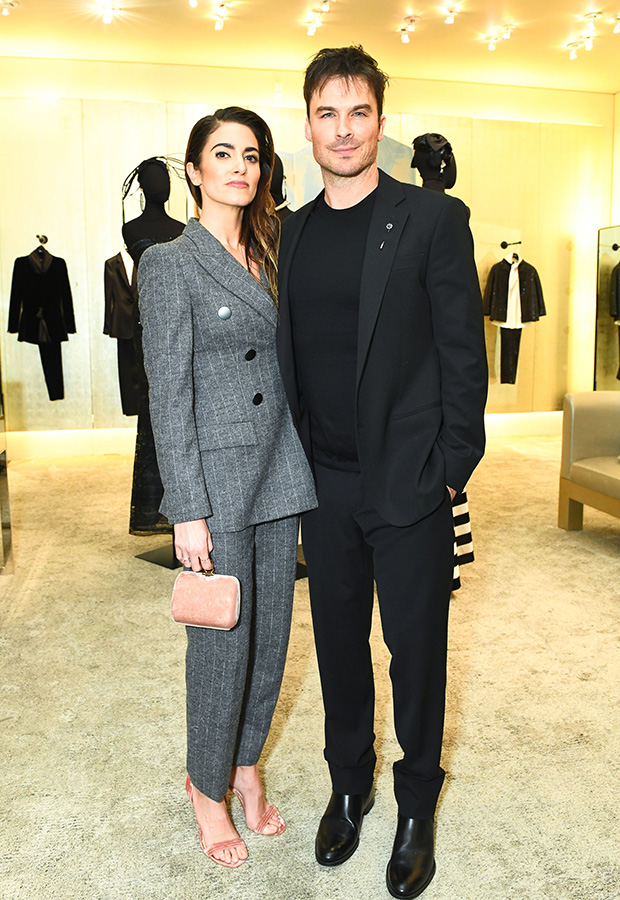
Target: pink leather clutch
(206,600)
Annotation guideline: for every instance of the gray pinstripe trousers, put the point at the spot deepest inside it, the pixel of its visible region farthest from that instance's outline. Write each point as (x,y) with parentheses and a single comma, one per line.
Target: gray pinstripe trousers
(233,677)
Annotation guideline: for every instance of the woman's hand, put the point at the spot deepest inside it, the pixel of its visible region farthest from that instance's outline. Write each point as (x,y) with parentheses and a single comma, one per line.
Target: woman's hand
(193,545)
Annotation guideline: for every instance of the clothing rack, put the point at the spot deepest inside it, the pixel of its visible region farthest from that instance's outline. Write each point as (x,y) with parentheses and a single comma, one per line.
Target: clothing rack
(505,244)
(615,246)
(42,239)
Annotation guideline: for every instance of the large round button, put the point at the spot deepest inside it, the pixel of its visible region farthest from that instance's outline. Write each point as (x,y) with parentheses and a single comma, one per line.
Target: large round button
(224,312)
(250,355)
(257,399)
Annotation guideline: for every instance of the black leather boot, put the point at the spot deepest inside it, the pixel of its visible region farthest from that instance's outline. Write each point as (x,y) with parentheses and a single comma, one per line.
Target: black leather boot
(339,829)
(412,864)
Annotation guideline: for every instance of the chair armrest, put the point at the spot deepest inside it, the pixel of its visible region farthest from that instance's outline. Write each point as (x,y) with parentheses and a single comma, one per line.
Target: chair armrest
(590,427)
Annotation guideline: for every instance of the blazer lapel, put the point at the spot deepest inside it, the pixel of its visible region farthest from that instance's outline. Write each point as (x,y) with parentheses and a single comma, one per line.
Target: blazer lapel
(119,262)
(228,271)
(284,337)
(386,226)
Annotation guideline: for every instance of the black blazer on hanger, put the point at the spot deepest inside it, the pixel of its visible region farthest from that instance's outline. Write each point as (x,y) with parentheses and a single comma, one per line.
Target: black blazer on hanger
(121,299)
(530,288)
(614,300)
(421,360)
(41,305)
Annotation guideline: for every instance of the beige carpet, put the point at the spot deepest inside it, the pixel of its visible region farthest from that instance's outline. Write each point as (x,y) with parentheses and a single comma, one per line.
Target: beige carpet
(92,718)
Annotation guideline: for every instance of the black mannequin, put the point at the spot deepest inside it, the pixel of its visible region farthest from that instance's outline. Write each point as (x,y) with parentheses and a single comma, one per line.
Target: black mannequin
(277,190)
(434,160)
(154,225)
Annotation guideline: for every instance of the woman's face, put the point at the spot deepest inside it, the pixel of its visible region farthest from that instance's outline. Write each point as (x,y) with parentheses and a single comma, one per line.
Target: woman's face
(229,169)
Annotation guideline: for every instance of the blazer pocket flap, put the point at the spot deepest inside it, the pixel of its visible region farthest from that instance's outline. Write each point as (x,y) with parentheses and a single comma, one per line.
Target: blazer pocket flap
(419,409)
(407,261)
(226,434)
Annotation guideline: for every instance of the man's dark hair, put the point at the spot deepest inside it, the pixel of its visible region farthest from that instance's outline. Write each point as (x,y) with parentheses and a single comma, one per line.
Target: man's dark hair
(348,63)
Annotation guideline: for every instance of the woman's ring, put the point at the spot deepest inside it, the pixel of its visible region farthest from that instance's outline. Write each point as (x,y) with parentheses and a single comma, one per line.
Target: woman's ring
(185,559)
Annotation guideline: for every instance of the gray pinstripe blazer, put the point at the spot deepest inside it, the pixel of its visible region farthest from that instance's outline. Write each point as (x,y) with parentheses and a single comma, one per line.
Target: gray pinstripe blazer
(226,445)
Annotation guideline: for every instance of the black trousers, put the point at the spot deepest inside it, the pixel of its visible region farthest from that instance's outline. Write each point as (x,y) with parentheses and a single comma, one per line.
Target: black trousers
(510,340)
(128,376)
(346,543)
(51,361)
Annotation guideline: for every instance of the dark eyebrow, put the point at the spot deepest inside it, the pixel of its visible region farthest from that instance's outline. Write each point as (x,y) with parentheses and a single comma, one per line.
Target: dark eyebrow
(365,106)
(232,147)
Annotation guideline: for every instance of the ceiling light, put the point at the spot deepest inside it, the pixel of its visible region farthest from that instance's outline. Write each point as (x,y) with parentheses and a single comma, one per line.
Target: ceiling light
(573,47)
(220,15)
(325,6)
(311,29)
(589,42)
(506,32)
(108,11)
(193,3)
(7,6)
(591,19)
(409,24)
(492,43)
(617,25)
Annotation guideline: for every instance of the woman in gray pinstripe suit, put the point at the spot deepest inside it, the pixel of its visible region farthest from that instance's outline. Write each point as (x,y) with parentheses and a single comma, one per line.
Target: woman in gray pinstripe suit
(234,473)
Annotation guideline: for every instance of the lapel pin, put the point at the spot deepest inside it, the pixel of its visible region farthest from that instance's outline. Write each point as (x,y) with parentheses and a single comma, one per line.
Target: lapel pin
(389,226)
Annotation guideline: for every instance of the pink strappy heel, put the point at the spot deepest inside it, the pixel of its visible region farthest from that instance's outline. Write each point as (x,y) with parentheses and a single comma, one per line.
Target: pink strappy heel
(220,845)
(262,823)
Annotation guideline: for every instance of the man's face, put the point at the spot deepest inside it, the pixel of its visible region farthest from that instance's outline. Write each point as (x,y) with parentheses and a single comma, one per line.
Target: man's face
(344,127)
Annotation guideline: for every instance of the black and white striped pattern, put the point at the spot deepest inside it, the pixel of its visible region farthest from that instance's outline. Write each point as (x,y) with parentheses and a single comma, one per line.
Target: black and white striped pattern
(463,546)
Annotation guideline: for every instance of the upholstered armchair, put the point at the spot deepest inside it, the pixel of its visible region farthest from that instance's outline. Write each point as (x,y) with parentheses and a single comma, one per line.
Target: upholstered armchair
(590,471)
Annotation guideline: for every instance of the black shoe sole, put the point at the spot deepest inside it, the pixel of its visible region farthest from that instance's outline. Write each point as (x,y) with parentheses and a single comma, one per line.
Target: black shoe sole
(342,859)
(417,893)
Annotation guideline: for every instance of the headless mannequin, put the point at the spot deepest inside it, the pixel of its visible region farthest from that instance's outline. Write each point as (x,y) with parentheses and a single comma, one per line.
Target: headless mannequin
(434,160)
(154,225)
(276,190)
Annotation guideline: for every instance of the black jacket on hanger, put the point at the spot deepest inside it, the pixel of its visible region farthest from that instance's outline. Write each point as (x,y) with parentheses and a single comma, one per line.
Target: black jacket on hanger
(614,302)
(121,300)
(41,305)
(496,292)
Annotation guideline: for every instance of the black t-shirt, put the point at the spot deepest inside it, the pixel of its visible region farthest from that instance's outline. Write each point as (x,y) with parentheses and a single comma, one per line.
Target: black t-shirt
(324,291)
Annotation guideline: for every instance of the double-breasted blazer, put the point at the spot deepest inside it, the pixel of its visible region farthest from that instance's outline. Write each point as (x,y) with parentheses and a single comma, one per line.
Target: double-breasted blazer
(226,445)
(421,366)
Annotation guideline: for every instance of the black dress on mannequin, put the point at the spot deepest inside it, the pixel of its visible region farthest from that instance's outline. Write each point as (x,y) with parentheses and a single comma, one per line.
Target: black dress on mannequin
(434,160)
(153,226)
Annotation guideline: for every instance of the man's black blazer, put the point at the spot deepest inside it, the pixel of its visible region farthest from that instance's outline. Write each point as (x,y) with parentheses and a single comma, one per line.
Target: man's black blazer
(421,360)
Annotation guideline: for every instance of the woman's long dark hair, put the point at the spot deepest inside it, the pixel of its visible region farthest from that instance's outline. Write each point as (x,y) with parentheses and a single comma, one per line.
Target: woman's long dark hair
(260,227)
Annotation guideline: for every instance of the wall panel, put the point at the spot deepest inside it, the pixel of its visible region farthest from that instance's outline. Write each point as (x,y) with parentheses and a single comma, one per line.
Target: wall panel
(42,190)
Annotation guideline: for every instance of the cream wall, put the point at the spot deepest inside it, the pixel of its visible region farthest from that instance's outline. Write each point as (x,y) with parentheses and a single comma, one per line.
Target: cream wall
(616,165)
(534,165)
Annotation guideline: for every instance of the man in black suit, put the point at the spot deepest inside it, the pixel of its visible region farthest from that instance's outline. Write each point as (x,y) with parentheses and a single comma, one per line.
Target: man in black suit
(382,354)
